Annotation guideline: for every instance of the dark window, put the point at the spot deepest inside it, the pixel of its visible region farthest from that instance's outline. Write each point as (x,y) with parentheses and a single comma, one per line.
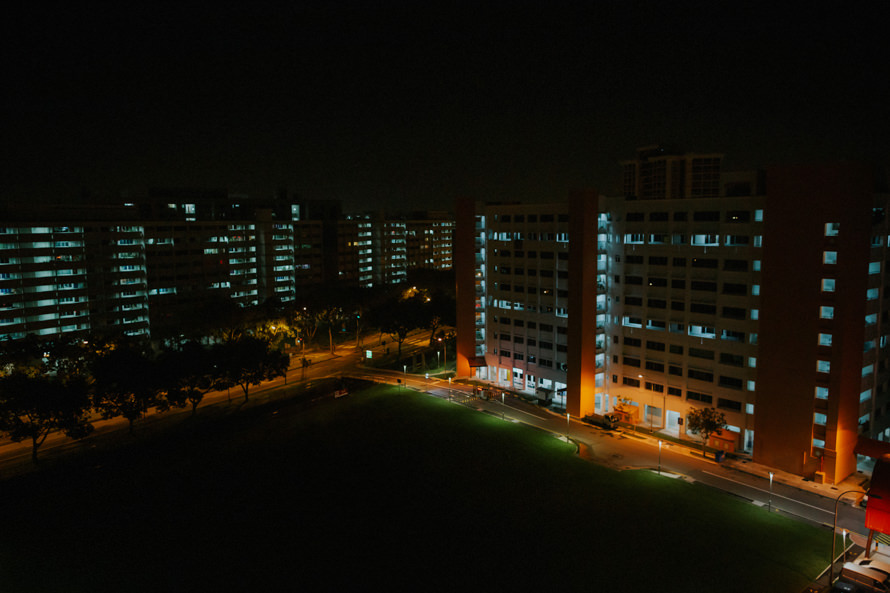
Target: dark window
(674,349)
(631,361)
(700,375)
(632,341)
(680,216)
(734,313)
(659,282)
(546,218)
(738,216)
(635,217)
(633,280)
(563,218)
(702,262)
(654,366)
(519,323)
(732,359)
(657,303)
(658,260)
(703,285)
(701,353)
(658,216)
(675,370)
(729,404)
(735,265)
(633,300)
(520,218)
(706,216)
(678,306)
(546,327)
(680,262)
(699,397)
(730,288)
(678,283)
(631,381)
(655,387)
(659,346)
(703,308)
(634,259)
(546,346)
(731,382)
(675,391)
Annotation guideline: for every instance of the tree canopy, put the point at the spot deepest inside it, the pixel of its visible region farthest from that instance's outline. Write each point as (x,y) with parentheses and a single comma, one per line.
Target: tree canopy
(705,422)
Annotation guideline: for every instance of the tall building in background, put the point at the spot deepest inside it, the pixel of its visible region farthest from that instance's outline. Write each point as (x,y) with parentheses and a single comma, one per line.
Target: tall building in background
(764,300)
(156,260)
(428,240)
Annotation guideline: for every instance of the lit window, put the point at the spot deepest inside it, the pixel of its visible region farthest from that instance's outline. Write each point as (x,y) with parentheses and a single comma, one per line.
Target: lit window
(820,419)
(823,366)
(832,228)
(829,257)
(826,312)
(819,443)
(758,215)
(822,393)
(828,284)
(825,339)
(756,265)
(874,267)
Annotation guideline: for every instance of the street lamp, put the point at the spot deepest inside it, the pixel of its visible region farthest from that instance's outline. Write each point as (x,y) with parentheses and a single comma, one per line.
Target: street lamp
(503,407)
(438,358)
(770,508)
(834,533)
(405,369)
(659,457)
(568,419)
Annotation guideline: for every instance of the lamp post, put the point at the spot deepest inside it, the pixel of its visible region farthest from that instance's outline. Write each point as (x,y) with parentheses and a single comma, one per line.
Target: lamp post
(503,407)
(834,534)
(770,508)
(438,358)
(568,419)
(659,457)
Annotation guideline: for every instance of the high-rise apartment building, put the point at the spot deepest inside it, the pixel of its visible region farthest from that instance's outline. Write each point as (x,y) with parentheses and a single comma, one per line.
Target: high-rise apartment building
(764,301)
(153,260)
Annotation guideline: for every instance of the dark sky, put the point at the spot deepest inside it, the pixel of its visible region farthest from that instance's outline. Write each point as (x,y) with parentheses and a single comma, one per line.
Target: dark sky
(393,104)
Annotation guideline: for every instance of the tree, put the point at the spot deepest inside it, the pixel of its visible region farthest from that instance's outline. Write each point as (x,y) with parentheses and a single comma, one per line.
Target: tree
(705,422)
(400,316)
(33,406)
(249,361)
(126,383)
(331,317)
(188,374)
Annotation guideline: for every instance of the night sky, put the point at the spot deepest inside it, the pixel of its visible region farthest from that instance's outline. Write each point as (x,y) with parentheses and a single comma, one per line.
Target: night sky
(397,105)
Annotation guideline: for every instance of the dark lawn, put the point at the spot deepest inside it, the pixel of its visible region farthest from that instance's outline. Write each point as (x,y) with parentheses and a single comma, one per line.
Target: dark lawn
(381,488)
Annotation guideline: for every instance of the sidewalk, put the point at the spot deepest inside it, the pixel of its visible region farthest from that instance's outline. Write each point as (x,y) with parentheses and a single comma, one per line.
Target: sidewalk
(857,481)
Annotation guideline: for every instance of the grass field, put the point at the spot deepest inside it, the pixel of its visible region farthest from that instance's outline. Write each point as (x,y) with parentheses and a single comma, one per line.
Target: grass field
(382,488)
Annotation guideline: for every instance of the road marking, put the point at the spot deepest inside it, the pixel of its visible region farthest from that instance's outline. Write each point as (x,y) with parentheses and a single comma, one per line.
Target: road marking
(767,492)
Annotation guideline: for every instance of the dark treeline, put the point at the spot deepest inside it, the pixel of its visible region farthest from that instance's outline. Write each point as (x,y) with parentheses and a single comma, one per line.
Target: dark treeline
(63,384)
